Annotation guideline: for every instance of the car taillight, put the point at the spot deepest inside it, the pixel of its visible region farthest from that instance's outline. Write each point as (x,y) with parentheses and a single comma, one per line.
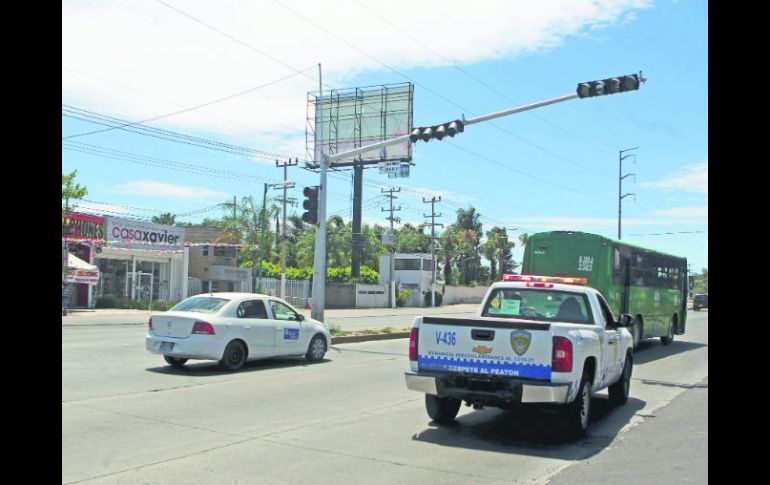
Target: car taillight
(562,355)
(413,343)
(149,325)
(203,327)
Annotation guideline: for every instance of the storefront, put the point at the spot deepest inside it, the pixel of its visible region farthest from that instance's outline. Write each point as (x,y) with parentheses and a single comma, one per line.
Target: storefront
(142,261)
(79,233)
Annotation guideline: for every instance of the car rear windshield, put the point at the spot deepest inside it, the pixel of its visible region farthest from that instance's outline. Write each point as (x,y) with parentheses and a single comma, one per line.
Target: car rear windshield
(536,304)
(200,304)
(701,298)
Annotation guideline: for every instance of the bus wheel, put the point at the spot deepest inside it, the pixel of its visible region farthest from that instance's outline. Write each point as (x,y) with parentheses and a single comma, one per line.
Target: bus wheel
(636,332)
(670,337)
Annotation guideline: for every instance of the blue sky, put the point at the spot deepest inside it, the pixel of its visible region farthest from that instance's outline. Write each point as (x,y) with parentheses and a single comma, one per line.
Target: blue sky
(550,169)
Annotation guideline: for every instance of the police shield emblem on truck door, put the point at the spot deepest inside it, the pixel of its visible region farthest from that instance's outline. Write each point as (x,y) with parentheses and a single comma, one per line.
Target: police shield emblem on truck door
(520,341)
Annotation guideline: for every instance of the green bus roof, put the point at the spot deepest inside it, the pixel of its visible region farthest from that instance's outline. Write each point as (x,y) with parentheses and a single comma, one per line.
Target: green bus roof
(588,235)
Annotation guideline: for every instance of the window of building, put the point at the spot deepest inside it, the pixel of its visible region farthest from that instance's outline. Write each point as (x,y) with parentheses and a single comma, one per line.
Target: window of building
(226,252)
(407,264)
(427,265)
(205,250)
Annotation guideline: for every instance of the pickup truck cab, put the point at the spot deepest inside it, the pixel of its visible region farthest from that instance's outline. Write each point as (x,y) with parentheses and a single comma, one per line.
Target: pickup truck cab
(535,340)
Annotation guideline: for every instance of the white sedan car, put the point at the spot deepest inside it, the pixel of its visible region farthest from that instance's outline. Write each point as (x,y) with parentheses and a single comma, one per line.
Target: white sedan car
(233,328)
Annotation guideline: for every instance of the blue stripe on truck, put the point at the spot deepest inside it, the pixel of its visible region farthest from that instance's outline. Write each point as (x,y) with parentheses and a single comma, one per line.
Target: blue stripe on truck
(477,366)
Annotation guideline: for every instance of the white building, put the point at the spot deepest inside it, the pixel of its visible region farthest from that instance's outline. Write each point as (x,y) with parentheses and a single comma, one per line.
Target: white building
(142,260)
(412,271)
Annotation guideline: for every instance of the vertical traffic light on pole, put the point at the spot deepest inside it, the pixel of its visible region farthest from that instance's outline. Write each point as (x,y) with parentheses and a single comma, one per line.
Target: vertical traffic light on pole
(310,204)
(611,85)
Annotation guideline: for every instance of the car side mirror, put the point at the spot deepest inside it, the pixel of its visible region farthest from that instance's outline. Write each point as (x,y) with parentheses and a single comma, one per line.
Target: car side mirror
(625,320)
(300,317)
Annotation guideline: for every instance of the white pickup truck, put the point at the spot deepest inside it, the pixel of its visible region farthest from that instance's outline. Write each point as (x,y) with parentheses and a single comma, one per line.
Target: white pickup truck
(535,340)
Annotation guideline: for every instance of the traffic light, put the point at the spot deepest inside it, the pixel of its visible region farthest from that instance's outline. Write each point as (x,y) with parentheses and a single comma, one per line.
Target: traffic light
(438,132)
(611,85)
(310,204)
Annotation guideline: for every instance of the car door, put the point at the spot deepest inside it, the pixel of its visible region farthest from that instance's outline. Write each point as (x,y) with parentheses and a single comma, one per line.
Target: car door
(611,358)
(257,327)
(289,336)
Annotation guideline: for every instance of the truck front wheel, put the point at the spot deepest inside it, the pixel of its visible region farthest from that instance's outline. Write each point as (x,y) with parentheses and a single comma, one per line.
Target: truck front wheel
(442,409)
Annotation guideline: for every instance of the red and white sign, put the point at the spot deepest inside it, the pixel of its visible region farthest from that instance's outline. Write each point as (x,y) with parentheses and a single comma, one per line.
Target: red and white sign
(82,276)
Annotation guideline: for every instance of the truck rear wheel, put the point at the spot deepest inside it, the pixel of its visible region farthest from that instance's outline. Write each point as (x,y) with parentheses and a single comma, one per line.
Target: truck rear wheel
(442,409)
(578,411)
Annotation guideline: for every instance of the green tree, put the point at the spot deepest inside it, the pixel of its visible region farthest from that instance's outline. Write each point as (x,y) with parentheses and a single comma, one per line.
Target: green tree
(497,249)
(411,239)
(166,218)
(467,255)
(71,191)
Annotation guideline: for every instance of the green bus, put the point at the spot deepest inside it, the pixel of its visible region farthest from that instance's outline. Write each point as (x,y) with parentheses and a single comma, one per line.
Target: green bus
(649,285)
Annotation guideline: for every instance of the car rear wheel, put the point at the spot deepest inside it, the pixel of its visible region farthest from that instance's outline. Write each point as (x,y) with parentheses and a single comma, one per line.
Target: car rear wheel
(175,361)
(234,356)
(442,409)
(620,390)
(317,349)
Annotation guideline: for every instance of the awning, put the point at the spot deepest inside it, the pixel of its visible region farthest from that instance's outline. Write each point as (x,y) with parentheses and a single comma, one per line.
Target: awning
(78,271)
(73,262)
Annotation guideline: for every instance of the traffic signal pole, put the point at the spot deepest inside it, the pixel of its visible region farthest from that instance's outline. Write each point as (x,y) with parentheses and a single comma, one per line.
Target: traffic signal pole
(594,88)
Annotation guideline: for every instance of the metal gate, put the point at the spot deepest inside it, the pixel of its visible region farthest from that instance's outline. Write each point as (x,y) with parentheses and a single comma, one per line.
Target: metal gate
(297,291)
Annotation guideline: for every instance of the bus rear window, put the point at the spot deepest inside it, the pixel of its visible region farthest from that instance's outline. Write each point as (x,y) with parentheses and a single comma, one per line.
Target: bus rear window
(538,304)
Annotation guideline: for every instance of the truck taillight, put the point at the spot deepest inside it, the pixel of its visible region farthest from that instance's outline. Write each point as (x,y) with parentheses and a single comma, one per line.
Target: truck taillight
(203,327)
(149,325)
(413,343)
(562,355)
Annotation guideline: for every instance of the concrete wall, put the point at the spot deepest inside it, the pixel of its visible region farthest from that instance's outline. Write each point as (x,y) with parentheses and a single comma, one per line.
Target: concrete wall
(464,294)
(340,295)
(371,296)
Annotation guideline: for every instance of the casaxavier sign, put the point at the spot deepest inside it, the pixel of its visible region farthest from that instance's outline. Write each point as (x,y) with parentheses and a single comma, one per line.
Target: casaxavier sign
(520,341)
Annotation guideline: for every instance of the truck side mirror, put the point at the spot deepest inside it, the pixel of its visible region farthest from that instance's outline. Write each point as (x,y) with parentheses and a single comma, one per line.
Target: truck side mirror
(625,320)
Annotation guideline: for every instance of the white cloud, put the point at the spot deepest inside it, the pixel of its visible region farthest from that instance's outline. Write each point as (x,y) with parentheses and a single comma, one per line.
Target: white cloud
(690,178)
(154,50)
(153,188)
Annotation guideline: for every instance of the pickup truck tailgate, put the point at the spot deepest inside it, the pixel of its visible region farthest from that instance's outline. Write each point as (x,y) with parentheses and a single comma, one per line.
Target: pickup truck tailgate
(487,346)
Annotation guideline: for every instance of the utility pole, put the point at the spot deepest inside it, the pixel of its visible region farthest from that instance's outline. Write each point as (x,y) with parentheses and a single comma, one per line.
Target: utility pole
(392,249)
(433,225)
(620,182)
(356,243)
(283,229)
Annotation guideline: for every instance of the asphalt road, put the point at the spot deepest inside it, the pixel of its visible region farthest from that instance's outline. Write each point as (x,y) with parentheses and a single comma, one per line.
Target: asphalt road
(346,319)
(129,418)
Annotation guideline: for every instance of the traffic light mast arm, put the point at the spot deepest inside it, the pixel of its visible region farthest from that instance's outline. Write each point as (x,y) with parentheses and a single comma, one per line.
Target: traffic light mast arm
(519,109)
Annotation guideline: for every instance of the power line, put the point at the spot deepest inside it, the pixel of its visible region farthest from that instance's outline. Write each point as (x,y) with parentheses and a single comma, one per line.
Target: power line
(168,135)
(192,108)
(234,39)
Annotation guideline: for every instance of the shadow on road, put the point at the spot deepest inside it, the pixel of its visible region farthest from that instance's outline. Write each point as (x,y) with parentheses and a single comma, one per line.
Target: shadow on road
(650,350)
(532,431)
(210,368)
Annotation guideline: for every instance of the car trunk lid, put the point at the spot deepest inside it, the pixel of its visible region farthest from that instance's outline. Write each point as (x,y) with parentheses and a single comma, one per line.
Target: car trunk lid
(175,324)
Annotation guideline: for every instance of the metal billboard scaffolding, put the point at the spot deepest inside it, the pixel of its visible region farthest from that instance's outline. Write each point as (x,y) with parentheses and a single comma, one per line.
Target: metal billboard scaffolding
(351,118)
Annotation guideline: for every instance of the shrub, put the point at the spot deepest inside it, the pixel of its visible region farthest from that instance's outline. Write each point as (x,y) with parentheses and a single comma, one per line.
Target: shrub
(107,301)
(403,297)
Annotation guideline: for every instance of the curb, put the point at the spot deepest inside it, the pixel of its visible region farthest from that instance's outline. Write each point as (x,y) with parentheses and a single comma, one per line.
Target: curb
(347,339)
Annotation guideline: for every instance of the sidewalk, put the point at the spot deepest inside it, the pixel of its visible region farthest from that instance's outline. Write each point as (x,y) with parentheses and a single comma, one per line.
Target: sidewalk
(114,316)
(670,448)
